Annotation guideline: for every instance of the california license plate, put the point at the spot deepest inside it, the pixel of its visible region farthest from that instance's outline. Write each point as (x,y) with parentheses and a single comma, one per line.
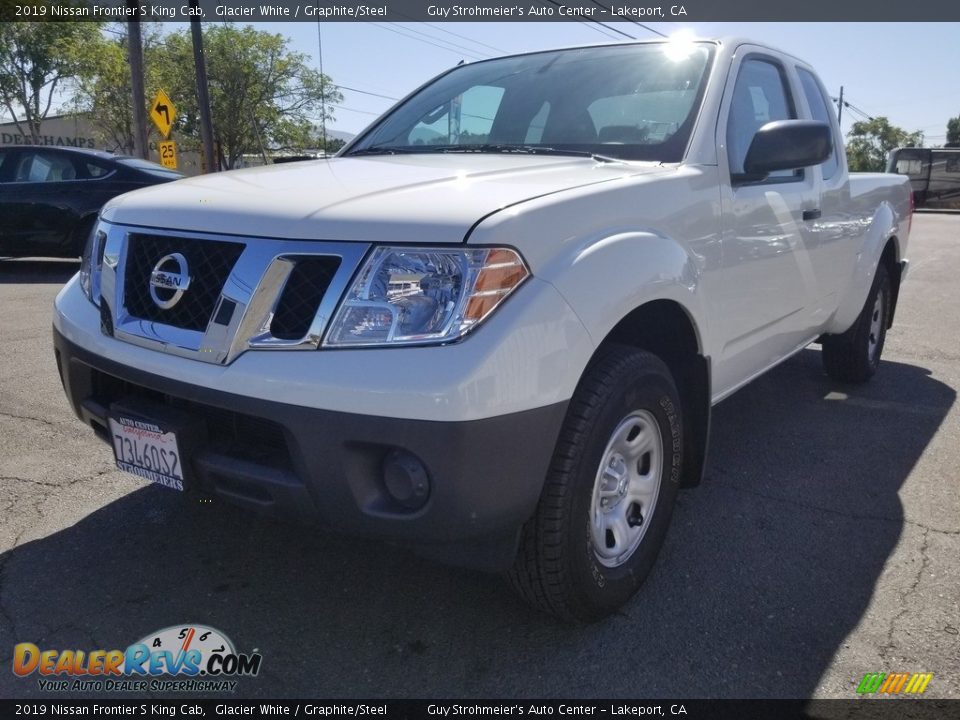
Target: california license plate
(147,450)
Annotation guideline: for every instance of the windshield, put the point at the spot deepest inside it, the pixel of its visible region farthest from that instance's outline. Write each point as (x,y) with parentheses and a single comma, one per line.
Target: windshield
(150,167)
(633,102)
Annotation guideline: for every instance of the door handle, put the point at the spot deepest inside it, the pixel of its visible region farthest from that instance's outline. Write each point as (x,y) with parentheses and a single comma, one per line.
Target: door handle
(812,214)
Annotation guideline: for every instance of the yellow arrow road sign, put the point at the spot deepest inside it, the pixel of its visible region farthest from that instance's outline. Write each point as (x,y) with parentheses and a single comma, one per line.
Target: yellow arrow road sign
(163,113)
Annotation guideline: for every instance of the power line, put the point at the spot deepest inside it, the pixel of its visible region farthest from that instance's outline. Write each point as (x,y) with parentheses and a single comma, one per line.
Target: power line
(841,103)
(613,29)
(413,37)
(639,24)
(439,40)
(857,110)
(608,27)
(477,42)
(362,112)
(365,92)
(592,24)
(448,32)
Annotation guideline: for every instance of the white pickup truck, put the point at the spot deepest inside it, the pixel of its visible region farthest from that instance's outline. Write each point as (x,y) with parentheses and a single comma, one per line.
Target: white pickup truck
(493,327)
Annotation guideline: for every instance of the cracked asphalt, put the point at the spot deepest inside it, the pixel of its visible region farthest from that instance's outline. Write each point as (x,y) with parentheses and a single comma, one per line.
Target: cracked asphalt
(823,544)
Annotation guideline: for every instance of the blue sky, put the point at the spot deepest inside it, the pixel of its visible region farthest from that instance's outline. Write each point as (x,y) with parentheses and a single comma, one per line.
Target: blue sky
(909,72)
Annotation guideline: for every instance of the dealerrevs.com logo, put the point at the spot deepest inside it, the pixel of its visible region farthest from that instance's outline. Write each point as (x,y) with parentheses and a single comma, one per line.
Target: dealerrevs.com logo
(184,658)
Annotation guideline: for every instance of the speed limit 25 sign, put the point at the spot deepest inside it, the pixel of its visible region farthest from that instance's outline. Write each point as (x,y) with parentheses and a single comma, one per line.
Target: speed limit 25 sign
(168,154)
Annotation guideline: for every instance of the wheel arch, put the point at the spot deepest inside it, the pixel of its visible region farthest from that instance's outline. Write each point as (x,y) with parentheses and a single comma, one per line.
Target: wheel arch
(891,259)
(880,244)
(668,330)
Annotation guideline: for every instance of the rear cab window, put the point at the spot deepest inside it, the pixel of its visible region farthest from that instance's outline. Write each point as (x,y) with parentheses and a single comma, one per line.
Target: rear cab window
(821,112)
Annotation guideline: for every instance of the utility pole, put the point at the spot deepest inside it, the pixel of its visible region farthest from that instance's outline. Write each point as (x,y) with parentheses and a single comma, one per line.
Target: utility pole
(323,91)
(135,47)
(203,93)
(840,108)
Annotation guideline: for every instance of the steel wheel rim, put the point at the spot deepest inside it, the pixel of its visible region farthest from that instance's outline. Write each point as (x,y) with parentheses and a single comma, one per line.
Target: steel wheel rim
(876,328)
(626,488)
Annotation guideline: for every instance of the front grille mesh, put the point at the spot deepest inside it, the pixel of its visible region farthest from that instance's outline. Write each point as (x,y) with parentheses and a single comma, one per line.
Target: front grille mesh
(302,295)
(210,263)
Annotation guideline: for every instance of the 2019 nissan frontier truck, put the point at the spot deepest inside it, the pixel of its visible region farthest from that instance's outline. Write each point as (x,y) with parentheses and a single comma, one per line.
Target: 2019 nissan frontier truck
(493,326)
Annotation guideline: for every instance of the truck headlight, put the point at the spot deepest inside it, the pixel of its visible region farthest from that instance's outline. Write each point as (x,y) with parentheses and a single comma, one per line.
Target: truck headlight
(91,263)
(422,296)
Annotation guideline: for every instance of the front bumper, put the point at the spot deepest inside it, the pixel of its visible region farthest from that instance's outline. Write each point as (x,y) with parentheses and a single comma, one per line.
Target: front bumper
(326,467)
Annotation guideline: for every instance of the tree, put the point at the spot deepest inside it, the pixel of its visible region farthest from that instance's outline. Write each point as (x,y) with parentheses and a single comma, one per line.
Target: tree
(37,59)
(332,145)
(262,95)
(870,141)
(104,92)
(953,132)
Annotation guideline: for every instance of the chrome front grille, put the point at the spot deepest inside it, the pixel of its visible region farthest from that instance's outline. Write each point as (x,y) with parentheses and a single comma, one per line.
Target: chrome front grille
(302,295)
(210,263)
(243,293)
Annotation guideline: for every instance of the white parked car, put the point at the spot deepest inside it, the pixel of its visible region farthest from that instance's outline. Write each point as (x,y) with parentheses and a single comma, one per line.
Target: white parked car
(494,326)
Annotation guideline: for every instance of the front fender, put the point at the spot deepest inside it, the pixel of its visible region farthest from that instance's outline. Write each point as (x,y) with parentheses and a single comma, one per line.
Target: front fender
(605,279)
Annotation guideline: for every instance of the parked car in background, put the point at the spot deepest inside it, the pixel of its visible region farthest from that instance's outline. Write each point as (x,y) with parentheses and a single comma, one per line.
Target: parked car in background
(934,174)
(50,196)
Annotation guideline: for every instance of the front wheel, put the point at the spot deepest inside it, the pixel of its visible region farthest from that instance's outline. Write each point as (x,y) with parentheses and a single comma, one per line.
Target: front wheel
(610,491)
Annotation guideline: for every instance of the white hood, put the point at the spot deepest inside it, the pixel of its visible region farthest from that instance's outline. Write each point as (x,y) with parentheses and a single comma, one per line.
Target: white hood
(430,198)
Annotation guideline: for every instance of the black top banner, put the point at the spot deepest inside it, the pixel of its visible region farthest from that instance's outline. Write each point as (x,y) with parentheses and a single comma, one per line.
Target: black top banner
(606,11)
(186,707)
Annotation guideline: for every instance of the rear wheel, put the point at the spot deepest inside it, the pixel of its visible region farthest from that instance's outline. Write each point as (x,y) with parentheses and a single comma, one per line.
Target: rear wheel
(610,491)
(854,356)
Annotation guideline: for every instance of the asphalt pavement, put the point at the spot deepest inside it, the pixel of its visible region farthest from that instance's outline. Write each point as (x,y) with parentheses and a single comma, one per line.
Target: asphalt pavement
(823,544)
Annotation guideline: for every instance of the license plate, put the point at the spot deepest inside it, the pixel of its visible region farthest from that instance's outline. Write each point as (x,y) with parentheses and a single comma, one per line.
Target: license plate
(147,450)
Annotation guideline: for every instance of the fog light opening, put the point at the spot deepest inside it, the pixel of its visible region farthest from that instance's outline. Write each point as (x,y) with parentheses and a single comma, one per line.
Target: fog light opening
(406,479)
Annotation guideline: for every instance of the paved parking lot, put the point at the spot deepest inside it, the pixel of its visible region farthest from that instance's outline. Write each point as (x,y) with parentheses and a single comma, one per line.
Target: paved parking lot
(824,543)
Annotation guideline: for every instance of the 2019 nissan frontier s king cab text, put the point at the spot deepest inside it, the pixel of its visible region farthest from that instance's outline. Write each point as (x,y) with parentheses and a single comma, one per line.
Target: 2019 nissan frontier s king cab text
(493,326)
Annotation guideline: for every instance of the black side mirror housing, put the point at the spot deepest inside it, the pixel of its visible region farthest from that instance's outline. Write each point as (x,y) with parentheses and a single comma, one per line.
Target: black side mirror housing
(787,145)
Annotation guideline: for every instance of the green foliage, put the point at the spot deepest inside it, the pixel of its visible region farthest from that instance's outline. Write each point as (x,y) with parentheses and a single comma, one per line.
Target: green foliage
(104,92)
(262,94)
(36,60)
(953,131)
(870,141)
(332,145)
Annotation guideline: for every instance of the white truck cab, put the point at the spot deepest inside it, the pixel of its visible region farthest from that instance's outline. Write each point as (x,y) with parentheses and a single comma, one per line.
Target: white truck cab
(494,325)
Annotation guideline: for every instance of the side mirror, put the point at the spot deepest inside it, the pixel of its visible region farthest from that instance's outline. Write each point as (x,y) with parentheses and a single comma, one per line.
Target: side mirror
(787,145)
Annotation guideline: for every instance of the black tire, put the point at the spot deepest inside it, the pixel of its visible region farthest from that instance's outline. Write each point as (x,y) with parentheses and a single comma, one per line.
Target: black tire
(854,356)
(558,569)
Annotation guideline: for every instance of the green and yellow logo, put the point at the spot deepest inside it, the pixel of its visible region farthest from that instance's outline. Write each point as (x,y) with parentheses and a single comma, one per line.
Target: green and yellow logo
(894,683)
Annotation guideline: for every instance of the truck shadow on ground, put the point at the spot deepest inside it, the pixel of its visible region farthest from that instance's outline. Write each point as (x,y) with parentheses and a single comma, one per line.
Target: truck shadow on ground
(767,568)
(33,272)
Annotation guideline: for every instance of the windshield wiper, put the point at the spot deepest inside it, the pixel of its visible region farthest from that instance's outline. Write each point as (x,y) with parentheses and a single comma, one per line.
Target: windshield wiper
(522,149)
(383,150)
